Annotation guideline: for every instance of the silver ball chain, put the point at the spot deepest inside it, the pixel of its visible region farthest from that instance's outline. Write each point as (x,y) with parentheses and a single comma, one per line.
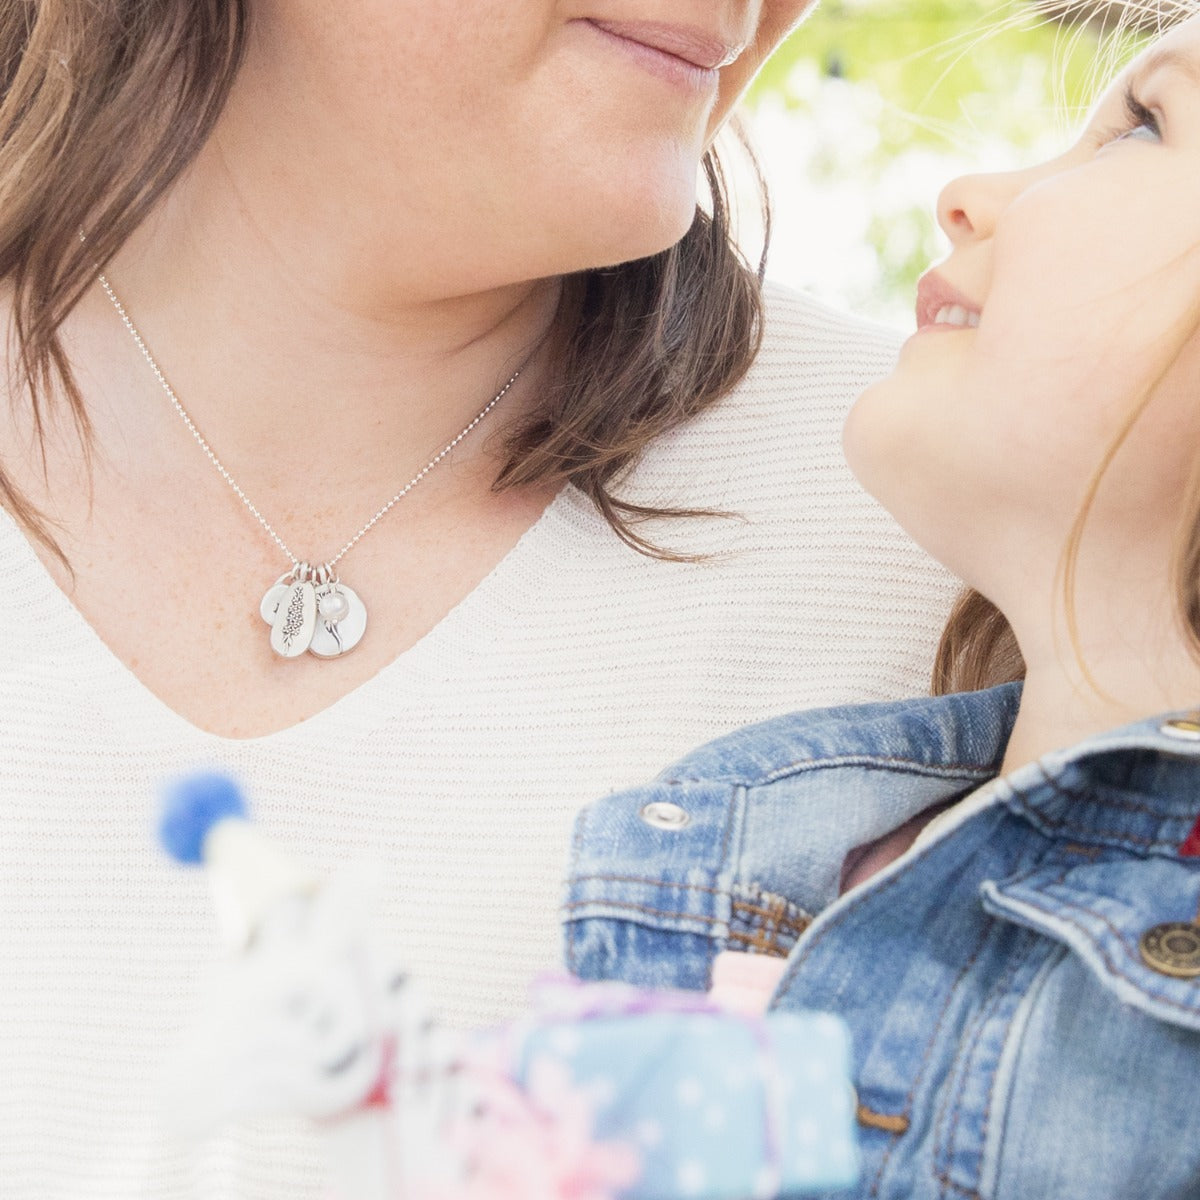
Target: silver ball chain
(229,479)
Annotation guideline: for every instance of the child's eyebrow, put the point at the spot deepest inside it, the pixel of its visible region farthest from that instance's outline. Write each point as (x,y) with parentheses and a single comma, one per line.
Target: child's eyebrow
(1167,59)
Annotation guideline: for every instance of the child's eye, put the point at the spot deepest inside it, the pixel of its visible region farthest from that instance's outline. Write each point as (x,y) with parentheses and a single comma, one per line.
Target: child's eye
(1142,122)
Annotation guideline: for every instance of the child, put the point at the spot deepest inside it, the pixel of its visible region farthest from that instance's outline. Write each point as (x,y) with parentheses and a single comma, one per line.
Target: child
(998,891)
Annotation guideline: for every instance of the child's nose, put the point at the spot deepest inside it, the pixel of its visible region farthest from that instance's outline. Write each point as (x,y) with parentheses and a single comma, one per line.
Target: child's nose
(969,206)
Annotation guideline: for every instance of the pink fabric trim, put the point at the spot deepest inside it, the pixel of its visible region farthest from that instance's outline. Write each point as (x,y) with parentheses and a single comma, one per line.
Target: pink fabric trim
(864,861)
(744,983)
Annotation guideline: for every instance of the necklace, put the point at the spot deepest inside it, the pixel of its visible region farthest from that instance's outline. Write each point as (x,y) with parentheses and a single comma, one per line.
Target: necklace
(308,607)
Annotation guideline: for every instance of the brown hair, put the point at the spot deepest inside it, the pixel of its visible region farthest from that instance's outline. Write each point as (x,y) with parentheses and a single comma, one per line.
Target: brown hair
(104,104)
(977,649)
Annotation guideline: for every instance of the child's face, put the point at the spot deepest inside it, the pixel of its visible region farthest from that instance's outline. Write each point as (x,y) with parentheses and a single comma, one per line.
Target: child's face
(1072,292)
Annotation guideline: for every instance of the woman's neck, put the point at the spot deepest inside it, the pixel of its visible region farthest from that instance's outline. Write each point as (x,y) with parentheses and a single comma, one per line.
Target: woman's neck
(292,349)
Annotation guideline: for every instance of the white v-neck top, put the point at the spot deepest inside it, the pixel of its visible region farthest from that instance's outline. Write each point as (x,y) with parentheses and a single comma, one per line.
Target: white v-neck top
(576,667)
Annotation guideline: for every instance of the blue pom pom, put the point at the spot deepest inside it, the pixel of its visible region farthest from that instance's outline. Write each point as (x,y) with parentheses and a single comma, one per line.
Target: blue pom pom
(191,808)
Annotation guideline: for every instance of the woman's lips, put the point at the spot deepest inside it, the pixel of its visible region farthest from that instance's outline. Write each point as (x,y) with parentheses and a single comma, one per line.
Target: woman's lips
(695,46)
(681,54)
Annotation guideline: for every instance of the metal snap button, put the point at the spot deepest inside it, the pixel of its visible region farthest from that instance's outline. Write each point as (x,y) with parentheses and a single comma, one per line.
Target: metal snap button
(1172,949)
(1187,728)
(664,815)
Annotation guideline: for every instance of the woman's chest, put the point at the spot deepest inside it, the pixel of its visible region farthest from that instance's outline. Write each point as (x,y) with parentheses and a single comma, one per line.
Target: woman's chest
(178,596)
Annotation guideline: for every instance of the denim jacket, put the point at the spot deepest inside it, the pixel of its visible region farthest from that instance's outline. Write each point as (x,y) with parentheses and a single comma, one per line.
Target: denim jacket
(1017,1036)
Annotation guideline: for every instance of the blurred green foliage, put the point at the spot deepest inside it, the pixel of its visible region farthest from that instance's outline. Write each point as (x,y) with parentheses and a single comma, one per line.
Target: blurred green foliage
(934,78)
(945,60)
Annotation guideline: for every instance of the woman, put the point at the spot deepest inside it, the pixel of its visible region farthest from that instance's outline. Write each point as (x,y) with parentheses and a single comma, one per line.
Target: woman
(373,251)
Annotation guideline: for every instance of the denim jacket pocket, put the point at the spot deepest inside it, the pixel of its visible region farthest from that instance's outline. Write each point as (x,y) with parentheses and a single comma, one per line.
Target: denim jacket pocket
(1093,1091)
(1100,906)
(654,891)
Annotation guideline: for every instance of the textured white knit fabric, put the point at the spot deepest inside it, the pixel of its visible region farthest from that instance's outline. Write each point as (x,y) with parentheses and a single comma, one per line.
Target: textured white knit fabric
(576,667)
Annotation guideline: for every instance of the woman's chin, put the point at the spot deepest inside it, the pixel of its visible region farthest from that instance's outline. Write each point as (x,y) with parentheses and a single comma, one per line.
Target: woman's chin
(643,231)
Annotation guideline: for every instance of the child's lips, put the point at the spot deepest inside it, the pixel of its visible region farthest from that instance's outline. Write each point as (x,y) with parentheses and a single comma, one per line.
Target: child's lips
(940,305)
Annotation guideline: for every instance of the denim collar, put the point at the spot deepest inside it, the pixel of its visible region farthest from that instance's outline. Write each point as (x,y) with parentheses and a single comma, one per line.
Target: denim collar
(963,734)
(748,835)
(1136,787)
(1121,809)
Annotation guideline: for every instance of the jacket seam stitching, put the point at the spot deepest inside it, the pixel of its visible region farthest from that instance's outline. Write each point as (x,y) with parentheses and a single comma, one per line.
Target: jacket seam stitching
(933,1039)
(1058,826)
(1086,796)
(572,905)
(947,1182)
(954,1107)
(966,771)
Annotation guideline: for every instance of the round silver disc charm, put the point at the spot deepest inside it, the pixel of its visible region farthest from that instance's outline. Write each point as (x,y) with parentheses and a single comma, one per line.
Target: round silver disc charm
(272,600)
(341,621)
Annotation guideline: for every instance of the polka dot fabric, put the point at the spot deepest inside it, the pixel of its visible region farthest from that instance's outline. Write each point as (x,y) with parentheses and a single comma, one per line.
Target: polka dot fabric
(718,1106)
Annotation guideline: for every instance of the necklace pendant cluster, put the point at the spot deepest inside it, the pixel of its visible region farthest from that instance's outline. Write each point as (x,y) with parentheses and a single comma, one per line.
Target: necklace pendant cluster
(311,611)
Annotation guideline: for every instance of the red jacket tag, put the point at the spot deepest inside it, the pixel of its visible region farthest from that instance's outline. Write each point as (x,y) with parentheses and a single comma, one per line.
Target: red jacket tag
(1191,843)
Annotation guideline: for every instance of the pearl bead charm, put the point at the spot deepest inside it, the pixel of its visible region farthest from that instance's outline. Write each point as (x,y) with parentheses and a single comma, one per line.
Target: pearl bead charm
(334,606)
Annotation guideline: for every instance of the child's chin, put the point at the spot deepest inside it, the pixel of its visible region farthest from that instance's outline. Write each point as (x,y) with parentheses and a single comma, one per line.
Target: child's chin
(864,441)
